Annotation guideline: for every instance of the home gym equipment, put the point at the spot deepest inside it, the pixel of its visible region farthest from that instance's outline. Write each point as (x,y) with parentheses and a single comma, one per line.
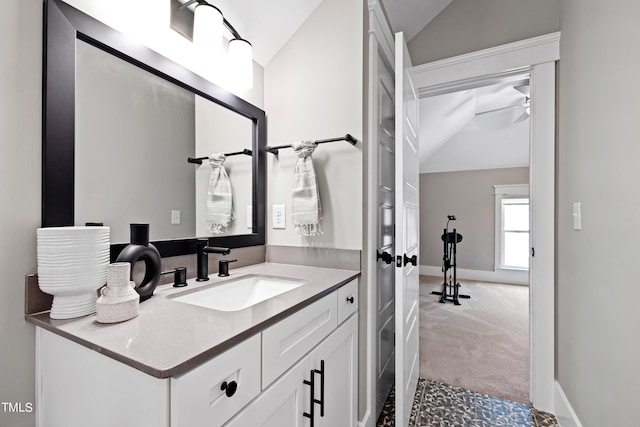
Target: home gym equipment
(449,264)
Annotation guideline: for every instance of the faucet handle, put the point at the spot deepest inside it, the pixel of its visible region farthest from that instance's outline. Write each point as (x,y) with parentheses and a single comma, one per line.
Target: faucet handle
(179,276)
(223,267)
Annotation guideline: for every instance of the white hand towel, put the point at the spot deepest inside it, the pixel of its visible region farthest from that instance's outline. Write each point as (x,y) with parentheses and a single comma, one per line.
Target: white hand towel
(219,196)
(305,198)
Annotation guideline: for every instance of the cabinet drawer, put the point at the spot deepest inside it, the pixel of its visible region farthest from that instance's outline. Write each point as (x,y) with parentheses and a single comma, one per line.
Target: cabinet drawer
(287,341)
(197,398)
(347,300)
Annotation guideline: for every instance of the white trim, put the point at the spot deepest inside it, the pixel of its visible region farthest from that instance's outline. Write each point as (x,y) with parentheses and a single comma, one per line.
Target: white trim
(379,28)
(508,58)
(502,275)
(536,56)
(512,189)
(542,237)
(563,411)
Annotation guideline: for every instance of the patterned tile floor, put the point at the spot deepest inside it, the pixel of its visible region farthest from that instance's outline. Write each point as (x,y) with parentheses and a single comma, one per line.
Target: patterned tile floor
(437,404)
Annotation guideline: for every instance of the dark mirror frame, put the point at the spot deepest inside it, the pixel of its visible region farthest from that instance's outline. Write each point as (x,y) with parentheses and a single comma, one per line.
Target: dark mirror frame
(63,25)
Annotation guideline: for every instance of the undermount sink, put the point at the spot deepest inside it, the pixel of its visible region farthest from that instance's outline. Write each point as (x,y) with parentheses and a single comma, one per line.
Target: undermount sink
(238,294)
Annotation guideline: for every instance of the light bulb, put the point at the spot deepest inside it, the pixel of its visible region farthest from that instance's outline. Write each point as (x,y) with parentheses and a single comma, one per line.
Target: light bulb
(241,63)
(207,30)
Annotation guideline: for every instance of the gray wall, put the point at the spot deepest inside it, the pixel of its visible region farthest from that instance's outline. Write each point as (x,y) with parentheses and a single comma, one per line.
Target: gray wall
(469,25)
(598,333)
(313,90)
(20,118)
(469,196)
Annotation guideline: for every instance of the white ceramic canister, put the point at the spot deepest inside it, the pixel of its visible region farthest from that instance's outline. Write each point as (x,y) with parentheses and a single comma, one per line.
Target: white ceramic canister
(118,300)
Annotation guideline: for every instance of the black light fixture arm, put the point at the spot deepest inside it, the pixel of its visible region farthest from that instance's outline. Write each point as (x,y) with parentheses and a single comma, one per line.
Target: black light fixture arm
(198,160)
(234,32)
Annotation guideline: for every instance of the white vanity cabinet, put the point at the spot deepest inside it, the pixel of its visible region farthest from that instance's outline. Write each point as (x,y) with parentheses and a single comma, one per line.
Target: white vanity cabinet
(305,363)
(289,401)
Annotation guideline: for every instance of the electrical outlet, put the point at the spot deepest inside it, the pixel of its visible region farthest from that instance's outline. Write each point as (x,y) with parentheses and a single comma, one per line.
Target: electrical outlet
(249,216)
(279,220)
(175,217)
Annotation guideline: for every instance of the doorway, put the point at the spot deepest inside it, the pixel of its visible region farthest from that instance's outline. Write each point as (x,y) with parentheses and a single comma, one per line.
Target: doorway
(537,57)
(474,177)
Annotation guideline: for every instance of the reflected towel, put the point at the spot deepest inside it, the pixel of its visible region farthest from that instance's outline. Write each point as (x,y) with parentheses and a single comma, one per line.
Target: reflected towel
(219,196)
(306,211)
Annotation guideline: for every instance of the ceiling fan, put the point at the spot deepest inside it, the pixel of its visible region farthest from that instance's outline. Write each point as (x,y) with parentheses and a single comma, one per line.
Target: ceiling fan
(524,90)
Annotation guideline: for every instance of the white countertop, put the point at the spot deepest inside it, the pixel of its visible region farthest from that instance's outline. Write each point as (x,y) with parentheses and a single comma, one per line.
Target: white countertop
(169,337)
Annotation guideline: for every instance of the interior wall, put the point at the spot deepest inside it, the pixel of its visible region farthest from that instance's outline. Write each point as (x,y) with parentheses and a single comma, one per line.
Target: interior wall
(469,195)
(313,90)
(598,341)
(466,26)
(20,128)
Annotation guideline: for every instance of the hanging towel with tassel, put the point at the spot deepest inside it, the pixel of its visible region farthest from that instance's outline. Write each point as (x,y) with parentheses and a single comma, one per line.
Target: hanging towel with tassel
(306,211)
(219,196)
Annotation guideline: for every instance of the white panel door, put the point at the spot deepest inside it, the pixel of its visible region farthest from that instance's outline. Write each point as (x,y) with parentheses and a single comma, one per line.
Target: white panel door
(406,234)
(385,189)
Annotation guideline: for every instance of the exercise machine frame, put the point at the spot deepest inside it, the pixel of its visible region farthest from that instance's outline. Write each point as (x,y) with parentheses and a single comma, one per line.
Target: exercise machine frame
(450,289)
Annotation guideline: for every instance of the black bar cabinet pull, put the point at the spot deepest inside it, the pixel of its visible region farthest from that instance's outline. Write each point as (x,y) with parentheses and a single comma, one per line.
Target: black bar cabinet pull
(350,139)
(198,160)
(312,398)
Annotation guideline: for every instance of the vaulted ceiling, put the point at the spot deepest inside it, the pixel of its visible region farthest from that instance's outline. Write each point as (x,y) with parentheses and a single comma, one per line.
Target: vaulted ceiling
(453,135)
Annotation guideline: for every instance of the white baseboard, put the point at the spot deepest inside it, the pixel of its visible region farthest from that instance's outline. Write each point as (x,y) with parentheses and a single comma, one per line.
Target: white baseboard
(564,413)
(515,277)
(364,422)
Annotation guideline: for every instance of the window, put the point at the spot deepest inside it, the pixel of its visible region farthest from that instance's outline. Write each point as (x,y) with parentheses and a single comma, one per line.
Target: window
(512,226)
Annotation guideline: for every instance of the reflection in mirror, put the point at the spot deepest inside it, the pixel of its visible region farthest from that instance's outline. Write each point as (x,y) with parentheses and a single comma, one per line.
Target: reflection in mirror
(134,133)
(141,183)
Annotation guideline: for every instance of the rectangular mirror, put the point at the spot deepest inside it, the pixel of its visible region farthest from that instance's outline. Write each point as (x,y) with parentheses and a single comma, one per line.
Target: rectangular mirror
(120,122)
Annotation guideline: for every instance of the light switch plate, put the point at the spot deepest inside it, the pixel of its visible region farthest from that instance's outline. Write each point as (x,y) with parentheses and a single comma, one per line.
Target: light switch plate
(249,216)
(279,216)
(175,217)
(577,216)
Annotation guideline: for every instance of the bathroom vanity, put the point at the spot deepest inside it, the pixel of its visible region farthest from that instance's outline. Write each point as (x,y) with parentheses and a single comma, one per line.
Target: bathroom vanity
(287,360)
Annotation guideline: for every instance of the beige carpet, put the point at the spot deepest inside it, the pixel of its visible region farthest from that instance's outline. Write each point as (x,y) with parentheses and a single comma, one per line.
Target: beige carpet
(481,345)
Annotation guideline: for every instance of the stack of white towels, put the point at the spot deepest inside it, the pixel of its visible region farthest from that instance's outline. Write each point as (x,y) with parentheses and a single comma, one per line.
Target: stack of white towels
(72,265)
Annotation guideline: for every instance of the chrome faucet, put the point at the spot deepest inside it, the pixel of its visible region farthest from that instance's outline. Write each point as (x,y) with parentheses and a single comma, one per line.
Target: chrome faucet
(203,251)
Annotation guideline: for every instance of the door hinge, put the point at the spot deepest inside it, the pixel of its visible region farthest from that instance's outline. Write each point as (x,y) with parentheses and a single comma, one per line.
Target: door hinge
(533,252)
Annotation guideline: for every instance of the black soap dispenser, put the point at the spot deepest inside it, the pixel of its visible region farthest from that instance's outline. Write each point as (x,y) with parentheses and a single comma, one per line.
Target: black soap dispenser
(141,250)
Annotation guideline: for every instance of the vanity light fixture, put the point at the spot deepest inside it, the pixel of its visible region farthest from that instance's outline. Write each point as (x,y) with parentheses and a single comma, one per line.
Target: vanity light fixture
(208,22)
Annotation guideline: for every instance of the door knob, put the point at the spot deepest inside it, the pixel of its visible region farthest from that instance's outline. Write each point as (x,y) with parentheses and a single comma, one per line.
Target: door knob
(384,256)
(413,260)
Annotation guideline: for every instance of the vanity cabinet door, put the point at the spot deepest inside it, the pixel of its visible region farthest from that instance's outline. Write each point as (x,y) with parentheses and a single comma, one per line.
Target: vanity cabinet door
(336,357)
(282,404)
